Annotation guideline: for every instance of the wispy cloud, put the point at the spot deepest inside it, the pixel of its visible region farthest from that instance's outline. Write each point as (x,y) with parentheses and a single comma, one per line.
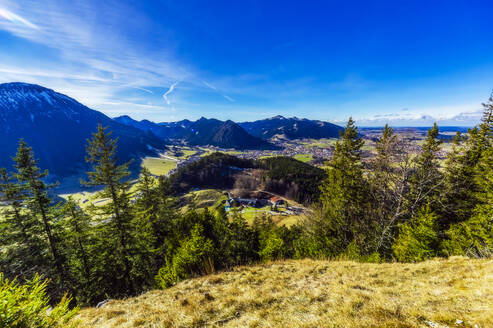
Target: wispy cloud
(228,98)
(213,88)
(142,89)
(16,19)
(124,103)
(91,51)
(210,86)
(170,90)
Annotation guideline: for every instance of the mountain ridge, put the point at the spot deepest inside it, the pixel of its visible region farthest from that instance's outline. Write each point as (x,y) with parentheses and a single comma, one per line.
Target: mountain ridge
(57,128)
(204,131)
(291,128)
(224,134)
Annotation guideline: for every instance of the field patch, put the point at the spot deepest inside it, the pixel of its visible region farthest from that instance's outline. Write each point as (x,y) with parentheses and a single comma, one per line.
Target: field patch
(158,166)
(303,157)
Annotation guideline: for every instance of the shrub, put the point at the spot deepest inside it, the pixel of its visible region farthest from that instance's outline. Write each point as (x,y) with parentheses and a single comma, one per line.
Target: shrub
(273,248)
(28,305)
(193,257)
(473,237)
(417,238)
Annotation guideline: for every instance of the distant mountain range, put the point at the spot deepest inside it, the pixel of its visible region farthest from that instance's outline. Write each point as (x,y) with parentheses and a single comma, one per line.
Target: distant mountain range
(213,132)
(291,128)
(172,130)
(57,127)
(224,134)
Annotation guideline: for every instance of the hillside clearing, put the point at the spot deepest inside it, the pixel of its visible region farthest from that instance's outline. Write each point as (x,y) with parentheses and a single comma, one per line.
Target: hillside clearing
(439,293)
(304,157)
(158,166)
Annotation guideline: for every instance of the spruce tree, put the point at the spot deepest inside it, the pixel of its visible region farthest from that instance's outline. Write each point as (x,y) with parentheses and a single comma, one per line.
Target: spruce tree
(78,245)
(427,181)
(343,199)
(389,181)
(149,227)
(38,201)
(115,226)
(460,188)
(474,236)
(23,247)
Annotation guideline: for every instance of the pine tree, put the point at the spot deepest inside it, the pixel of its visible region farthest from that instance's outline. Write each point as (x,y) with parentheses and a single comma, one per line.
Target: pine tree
(167,215)
(460,188)
(115,227)
(146,209)
(38,201)
(78,240)
(23,248)
(427,180)
(149,227)
(389,182)
(341,218)
(474,236)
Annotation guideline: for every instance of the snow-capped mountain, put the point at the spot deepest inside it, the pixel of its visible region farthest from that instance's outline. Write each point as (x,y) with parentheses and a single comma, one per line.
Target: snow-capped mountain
(57,127)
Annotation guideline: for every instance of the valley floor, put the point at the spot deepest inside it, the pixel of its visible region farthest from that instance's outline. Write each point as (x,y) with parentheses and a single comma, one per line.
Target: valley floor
(457,292)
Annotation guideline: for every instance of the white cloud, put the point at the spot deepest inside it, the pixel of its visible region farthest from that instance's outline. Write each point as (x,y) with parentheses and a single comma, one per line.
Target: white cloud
(469,117)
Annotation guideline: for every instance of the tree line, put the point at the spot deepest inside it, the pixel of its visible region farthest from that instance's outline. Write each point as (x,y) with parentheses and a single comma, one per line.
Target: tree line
(399,205)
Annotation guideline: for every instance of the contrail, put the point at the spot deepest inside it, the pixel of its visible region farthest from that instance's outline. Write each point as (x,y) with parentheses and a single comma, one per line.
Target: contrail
(170,90)
(228,98)
(143,89)
(210,86)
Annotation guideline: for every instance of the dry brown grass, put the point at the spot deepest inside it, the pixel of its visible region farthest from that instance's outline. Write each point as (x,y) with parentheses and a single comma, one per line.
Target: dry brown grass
(441,293)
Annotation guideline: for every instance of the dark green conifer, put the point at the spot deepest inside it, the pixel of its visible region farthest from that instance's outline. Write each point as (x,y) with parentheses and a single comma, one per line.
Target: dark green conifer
(38,202)
(115,226)
(344,202)
(427,180)
(23,247)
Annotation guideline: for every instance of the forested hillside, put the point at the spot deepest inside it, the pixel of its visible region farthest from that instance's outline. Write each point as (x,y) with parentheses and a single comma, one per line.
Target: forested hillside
(281,175)
(214,171)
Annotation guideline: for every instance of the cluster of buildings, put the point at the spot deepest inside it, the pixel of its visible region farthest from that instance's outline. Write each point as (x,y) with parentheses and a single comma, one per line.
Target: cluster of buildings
(274,202)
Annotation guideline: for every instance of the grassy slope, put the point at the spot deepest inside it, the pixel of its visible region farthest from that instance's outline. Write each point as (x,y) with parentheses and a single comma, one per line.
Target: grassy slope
(309,293)
(202,199)
(158,166)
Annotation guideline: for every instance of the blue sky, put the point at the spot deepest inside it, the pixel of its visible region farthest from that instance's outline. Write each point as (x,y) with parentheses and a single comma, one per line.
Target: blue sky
(402,62)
